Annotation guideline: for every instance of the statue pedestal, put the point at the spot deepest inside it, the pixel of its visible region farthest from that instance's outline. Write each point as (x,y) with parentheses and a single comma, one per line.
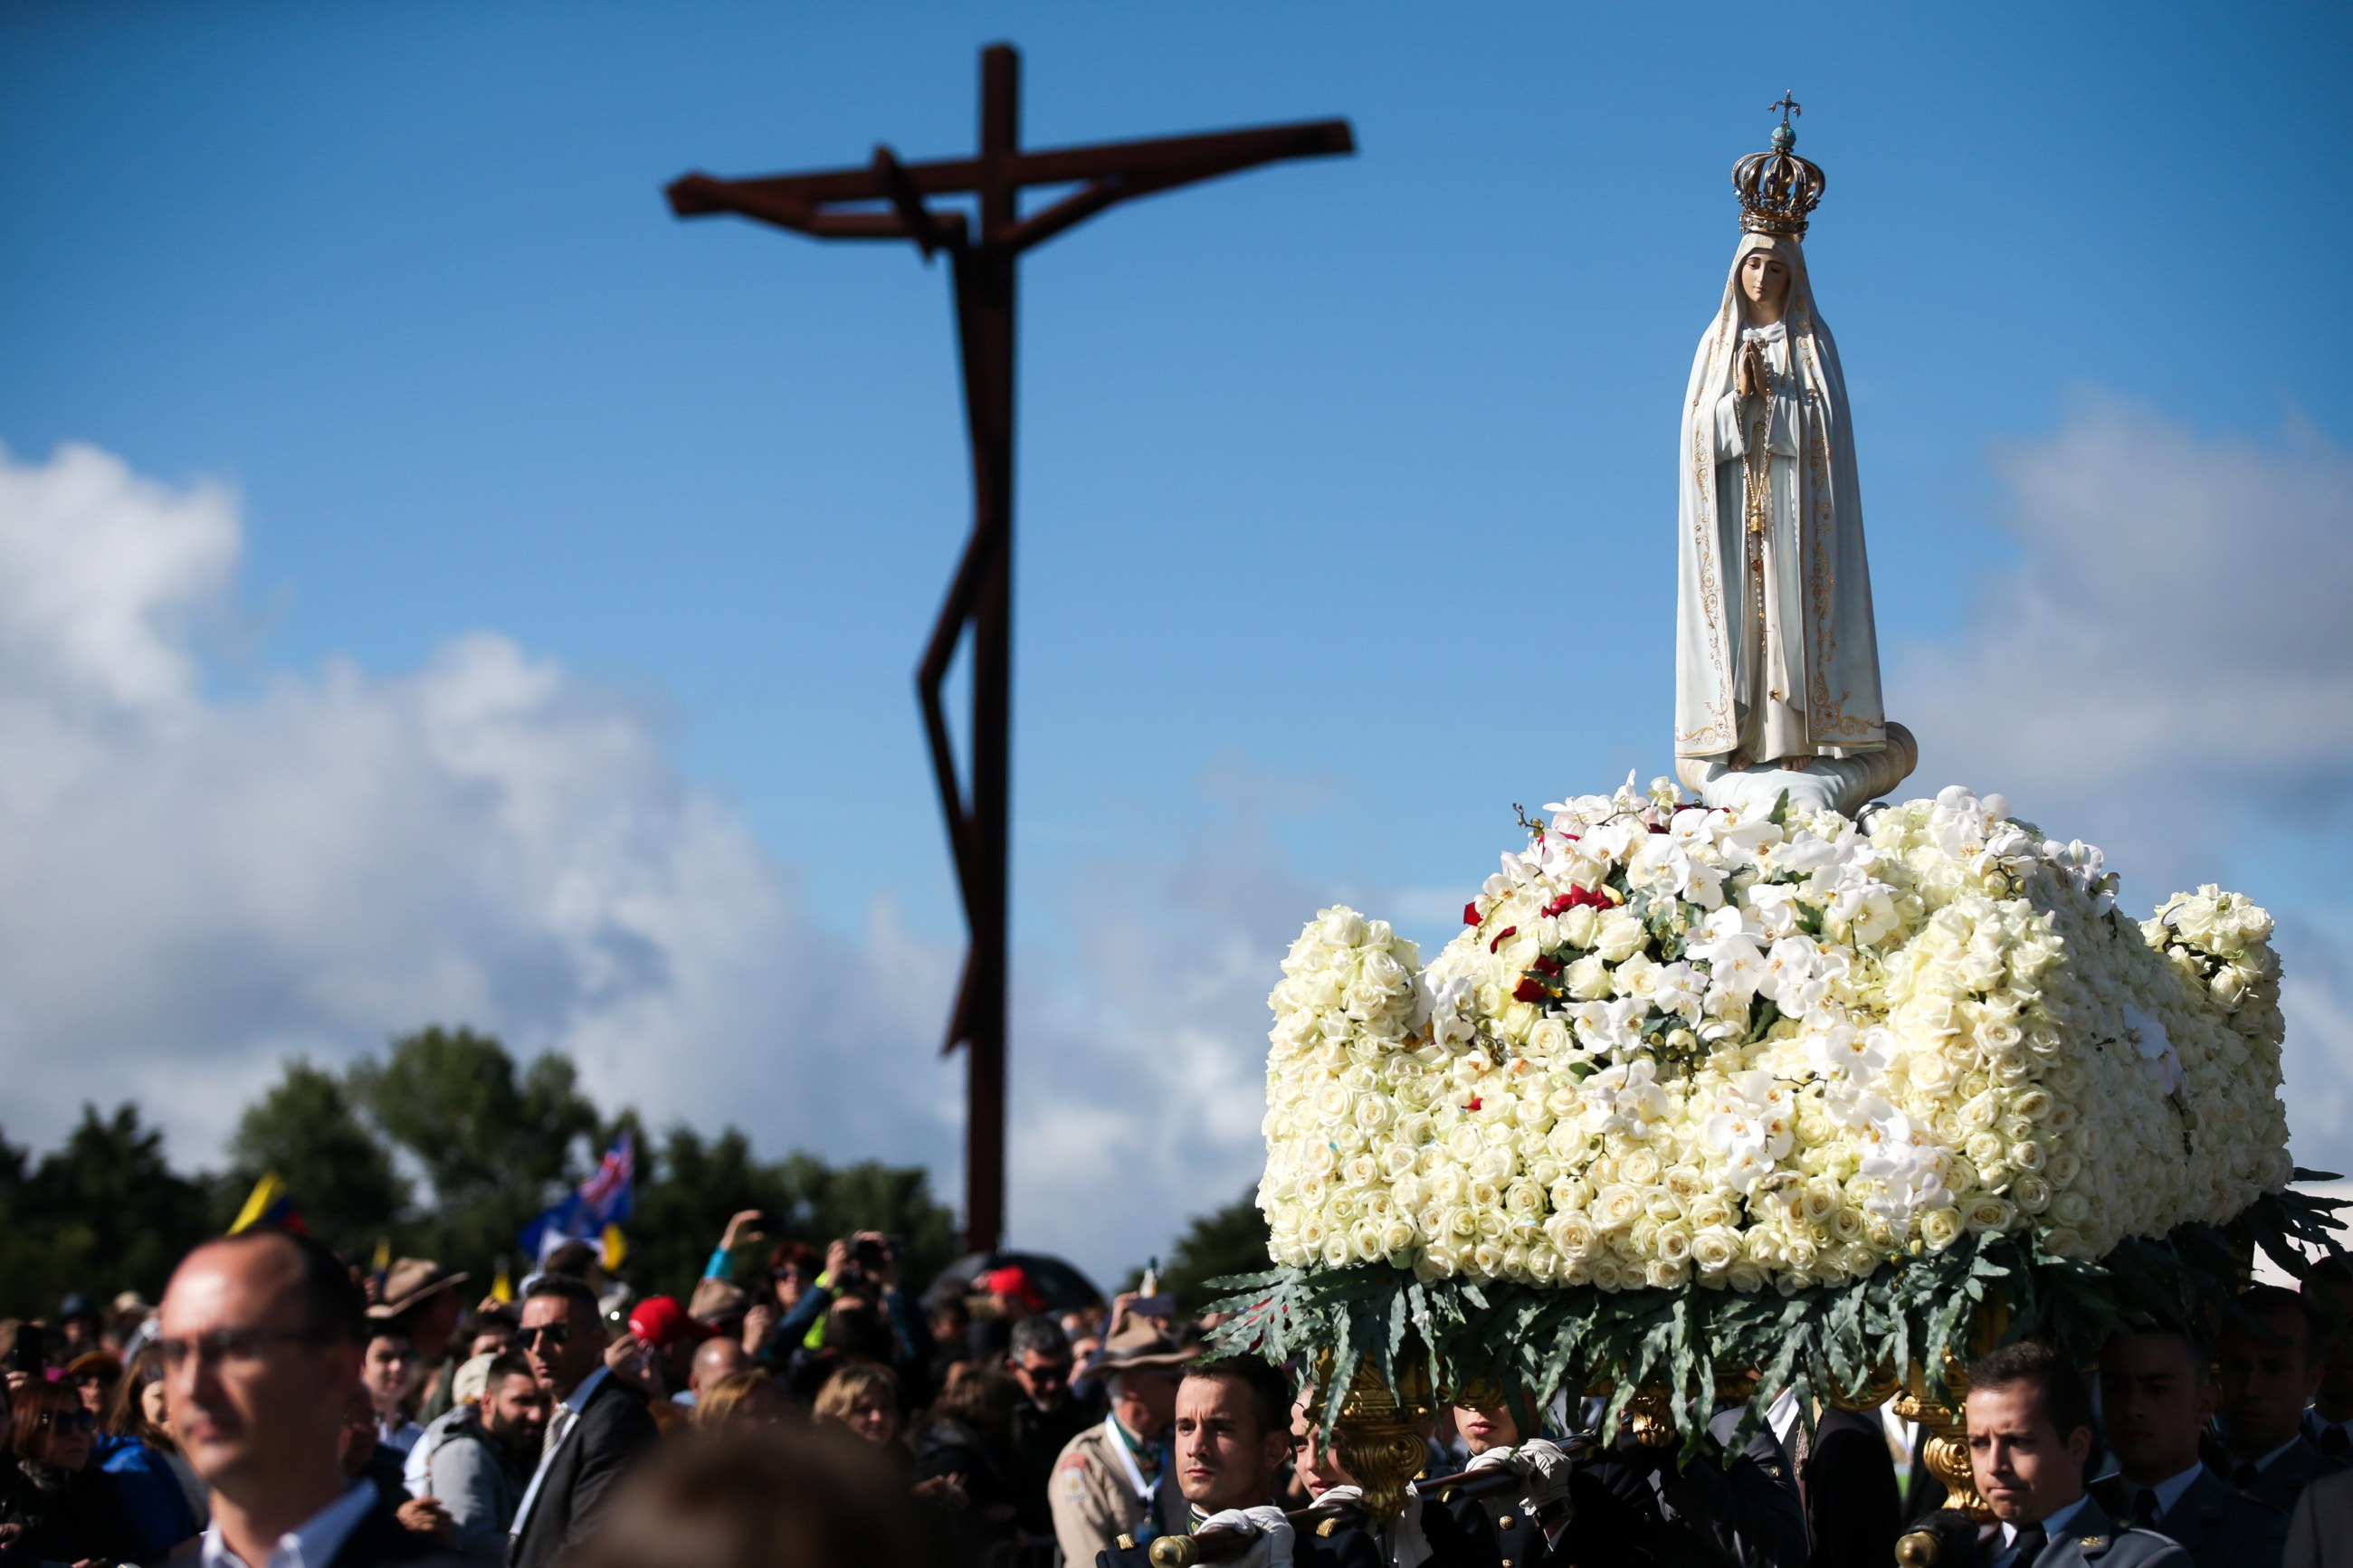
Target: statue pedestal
(1843,784)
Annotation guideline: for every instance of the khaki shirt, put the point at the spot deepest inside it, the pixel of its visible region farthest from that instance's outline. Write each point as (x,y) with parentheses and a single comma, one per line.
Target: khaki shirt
(1093,1500)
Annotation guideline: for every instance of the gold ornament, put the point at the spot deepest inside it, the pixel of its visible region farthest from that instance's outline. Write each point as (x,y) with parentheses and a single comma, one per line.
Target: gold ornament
(1379,1435)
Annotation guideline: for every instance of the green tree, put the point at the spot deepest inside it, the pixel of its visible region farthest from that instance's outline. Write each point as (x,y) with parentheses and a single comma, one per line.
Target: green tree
(104,1211)
(496,1146)
(336,1169)
(1230,1240)
(688,1187)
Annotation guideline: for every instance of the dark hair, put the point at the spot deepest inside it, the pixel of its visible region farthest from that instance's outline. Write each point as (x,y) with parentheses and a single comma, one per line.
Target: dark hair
(1268,1386)
(1038,1334)
(574,1257)
(983,1398)
(578,1299)
(2262,1301)
(37,1403)
(855,1329)
(2066,1400)
(2194,1348)
(506,1365)
(797,1498)
(332,1300)
(490,1317)
(798,1254)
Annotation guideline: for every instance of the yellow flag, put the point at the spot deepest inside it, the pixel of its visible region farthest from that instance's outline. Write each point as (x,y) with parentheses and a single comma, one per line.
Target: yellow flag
(502,1287)
(383,1255)
(615,1248)
(265,1195)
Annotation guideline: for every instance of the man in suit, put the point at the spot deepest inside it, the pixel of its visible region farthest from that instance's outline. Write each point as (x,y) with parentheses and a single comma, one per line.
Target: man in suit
(2030,1420)
(1846,1480)
(2157,1394)
(597,1426)
(1233,1434)
(260,1340)
(2330,1422)
(2271,1368)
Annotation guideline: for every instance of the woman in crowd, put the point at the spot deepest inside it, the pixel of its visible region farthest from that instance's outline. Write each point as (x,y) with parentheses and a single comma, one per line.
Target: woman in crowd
(865,1401)
(970,1441)
(135,1443)
(739,1401)
(59,1504)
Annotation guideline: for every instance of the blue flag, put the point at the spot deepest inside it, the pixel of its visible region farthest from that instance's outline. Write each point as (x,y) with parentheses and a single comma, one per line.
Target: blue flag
(604,1199)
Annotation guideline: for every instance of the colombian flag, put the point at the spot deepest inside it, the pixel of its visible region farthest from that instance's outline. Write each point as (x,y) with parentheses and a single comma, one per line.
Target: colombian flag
(267,1204)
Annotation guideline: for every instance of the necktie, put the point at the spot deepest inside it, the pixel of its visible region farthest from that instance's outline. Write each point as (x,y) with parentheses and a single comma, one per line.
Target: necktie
(2144,1508)
(2031,1539)
(2336,1442)
(2246,1475)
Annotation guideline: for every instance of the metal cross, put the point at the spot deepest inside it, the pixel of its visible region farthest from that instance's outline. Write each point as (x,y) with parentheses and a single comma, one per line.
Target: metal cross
(885,199)
(1788,106)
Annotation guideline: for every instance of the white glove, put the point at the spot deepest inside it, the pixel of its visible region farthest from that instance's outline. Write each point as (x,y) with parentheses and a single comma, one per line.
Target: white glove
(1490,1459)
(1270,1532)
(1547,1470)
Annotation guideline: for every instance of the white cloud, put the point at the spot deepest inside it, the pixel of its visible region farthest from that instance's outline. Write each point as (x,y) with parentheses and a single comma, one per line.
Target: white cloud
(197,885)
(2167,671)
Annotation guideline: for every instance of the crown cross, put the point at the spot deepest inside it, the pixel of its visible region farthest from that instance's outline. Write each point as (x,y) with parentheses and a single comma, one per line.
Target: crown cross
(1778,190)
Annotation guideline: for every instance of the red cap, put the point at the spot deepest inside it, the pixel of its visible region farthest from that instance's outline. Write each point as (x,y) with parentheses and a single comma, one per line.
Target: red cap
(660,1321)
(1013,1282)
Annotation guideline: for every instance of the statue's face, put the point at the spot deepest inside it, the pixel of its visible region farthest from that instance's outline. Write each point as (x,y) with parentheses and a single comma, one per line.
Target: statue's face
(1764,281)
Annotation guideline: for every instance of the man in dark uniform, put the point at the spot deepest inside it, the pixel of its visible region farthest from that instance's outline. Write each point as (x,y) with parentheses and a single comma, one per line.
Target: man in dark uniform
(1629,1506)
(2029,1419)
(2271,1368)
(2157,1394)
(1233,1434)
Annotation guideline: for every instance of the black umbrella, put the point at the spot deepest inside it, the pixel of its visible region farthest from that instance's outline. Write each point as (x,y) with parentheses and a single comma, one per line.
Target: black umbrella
(1064,1287)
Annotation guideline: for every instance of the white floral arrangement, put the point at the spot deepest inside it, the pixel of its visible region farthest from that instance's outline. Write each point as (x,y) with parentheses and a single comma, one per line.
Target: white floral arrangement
(1675,1046)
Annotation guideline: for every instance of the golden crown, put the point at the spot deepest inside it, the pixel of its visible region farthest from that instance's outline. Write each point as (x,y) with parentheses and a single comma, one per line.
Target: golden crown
(1778,190)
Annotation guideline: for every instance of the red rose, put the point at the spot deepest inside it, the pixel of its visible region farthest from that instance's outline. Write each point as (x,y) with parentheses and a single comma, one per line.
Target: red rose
(1529,989)
(1470,913)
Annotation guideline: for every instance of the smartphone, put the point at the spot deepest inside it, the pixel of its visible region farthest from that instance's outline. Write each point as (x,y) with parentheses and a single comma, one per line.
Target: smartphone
(1162,1305)
(31,1352)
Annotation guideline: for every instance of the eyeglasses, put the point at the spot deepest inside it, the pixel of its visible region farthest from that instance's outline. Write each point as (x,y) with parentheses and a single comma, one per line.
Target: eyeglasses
(69,1421)
(238,1346)
(554,1334)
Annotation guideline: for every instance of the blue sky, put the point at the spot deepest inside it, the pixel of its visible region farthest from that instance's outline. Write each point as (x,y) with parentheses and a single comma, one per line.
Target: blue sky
(1344,486)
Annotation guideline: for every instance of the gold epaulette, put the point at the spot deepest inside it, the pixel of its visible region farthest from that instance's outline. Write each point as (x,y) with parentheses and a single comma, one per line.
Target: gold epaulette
(1125,1543)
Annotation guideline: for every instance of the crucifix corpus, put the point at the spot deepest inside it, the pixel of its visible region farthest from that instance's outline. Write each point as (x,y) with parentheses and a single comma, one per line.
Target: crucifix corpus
(888,200)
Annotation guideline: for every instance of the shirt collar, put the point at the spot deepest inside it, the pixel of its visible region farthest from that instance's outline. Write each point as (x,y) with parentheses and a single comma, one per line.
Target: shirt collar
(2052,1522)
(577,1400)
(2265,1462)
(309,1544)
(2168,1490)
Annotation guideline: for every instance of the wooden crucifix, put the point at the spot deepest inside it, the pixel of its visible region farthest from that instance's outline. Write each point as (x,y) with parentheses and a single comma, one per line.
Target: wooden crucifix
(886,200)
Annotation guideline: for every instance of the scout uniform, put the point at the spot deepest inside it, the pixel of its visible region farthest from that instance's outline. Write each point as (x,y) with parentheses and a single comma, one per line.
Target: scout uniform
(1106,1485)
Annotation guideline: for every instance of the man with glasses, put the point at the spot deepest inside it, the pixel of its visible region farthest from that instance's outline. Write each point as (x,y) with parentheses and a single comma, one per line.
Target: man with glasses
(260,1340)
(596,1429)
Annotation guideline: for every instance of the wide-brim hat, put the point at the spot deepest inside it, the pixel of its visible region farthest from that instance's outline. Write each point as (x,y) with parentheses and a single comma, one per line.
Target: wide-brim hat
(1141,1345)
(102,1363)
(409,1282)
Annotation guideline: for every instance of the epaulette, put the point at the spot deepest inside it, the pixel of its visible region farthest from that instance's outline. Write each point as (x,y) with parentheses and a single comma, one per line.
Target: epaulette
(2093,1545)
(1125,1542)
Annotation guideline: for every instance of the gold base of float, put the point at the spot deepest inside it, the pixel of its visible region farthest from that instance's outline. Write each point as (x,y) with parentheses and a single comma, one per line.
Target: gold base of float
(1379,1436)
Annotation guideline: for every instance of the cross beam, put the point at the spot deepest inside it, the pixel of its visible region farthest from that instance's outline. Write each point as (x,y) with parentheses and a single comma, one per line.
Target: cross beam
(888,200)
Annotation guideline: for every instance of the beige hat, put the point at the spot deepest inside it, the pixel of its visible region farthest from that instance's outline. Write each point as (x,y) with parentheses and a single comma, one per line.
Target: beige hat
(718,1301)
(410,1281)
(473,1379)
(1141,1345)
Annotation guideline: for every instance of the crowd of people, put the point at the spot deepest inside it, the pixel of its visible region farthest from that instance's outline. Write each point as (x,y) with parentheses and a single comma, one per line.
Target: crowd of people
(282,1409)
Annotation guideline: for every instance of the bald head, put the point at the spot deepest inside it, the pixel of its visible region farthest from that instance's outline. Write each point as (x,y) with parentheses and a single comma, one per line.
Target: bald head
(716,1359)
(260,1346)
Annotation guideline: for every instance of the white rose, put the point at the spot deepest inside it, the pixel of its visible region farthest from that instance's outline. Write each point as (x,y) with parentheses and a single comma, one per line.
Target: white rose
(1988,1215)
(1588,979)
(1618,936)
(1940,1228)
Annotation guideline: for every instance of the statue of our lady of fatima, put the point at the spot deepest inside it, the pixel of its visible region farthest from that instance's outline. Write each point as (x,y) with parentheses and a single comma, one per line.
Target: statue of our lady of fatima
(1777,659)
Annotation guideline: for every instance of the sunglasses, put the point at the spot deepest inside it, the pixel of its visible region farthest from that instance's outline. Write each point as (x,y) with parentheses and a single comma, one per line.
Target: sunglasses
(553,1333)
(69,1421)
